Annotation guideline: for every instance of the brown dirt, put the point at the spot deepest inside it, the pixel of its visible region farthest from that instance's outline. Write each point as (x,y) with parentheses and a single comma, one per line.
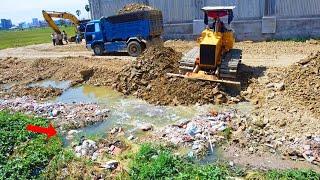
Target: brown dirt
(146,78)
(36,92)
(134,7)
(20,73)
(180,45)
(284,121)
(303,82)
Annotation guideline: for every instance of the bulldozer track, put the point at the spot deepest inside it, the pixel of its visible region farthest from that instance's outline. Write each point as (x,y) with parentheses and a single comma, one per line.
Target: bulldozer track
(230,64)
(187,61)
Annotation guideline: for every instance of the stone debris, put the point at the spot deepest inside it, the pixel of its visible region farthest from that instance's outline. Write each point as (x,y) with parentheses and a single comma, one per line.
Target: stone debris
(87,148)
(147,78)
(111,165)
(199,132)
(133,7)
(146,127)
(64,116)
(72,133)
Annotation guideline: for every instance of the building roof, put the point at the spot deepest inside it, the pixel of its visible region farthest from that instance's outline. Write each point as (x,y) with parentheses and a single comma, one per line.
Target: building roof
(213,8)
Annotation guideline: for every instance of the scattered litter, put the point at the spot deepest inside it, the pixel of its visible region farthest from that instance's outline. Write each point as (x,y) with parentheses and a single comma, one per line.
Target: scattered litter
(65,116)
(111,165)
(199,133)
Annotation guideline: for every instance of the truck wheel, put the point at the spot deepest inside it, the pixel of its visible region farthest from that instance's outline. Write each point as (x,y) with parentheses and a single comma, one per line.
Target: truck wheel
(134,48)
(98,49)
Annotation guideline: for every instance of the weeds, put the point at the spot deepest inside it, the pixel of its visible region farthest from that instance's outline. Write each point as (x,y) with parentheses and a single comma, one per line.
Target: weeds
(24,155)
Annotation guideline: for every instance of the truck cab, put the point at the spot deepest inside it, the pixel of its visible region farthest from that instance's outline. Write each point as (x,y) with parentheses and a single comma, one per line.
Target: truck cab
(94,37)
(129,32)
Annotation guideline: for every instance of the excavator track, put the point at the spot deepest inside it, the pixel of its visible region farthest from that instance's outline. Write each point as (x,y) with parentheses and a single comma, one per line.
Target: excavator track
(230,64)
(188,60)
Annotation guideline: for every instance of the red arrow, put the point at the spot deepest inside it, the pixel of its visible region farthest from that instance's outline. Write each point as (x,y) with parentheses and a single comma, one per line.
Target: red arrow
(50,131)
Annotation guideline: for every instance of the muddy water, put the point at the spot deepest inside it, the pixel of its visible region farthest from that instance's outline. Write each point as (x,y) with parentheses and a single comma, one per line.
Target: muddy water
(130,112)
(127,112)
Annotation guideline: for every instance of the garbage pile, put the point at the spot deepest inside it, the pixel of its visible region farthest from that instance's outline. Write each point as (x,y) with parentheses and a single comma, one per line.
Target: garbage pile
(201,133)
(134,7)
(147,78)
(64,116)
(308,149)
(303,82)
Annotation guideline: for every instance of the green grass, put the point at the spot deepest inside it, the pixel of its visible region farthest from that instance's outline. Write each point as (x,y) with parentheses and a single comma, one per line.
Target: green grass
(11,39)
(23,154)
(159,163)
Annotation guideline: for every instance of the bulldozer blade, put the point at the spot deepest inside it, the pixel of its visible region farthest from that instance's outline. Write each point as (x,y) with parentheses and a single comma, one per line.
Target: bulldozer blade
(203,77)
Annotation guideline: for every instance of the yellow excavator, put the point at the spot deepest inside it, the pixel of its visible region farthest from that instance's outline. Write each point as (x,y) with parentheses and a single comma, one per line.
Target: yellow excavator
(214,59)
(79,25)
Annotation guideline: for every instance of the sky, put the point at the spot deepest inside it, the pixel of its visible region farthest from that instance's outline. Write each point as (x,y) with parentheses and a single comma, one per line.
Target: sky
(24,10)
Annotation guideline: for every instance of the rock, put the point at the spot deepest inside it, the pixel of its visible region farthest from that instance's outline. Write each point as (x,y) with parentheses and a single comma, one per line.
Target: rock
(72,132)
(235,100)
(279,86)
(258,121)
(131,137)
(94,156)
(231,163)
(111,165)
(113,130)
(283,123)
(146,127)
(114,150)
(307,158)
(55,113)
(251,149)
(271,96)
(191,129)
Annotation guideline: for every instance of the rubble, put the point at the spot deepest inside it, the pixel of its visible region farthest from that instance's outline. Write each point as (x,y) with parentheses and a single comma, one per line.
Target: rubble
(146,78)
(199,133)
(133,7)
(146,127)
(111,165)
(64,116)
(87,149)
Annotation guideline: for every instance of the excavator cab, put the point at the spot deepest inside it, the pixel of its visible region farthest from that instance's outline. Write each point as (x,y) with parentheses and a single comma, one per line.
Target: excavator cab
(214,59)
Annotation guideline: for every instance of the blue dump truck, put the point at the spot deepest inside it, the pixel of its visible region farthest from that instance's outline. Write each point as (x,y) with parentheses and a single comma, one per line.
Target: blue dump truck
(130,32)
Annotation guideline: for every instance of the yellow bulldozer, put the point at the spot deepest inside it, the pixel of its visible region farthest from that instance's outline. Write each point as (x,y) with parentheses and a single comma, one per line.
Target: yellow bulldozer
(79,25)
(214,59)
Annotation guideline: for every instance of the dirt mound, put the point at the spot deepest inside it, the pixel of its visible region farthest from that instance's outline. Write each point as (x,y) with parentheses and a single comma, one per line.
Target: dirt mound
(38,93)
(134,7)
(303,82)
(146,78)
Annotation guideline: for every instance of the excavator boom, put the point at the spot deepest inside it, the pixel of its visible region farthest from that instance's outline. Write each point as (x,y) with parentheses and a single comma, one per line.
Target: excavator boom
(48,15)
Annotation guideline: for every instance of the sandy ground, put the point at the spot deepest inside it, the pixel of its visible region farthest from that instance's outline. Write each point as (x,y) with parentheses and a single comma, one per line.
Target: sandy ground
(268,54)
(50,51)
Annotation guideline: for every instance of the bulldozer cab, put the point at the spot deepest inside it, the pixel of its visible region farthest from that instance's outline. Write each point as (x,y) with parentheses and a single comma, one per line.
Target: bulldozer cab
(216,12)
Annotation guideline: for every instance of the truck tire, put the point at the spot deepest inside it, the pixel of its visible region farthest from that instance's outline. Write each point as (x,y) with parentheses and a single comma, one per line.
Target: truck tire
(134,48)
(98,49)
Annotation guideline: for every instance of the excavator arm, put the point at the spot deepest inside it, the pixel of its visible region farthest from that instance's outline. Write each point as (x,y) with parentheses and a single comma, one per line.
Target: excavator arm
(48,15)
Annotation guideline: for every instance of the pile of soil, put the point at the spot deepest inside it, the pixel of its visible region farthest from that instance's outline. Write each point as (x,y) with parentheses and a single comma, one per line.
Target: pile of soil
(146,78)
(134,7)
(303,82)
(17,74)
(38,93)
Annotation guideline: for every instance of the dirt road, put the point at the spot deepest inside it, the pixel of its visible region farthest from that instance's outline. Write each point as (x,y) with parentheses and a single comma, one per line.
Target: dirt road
(50,51)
